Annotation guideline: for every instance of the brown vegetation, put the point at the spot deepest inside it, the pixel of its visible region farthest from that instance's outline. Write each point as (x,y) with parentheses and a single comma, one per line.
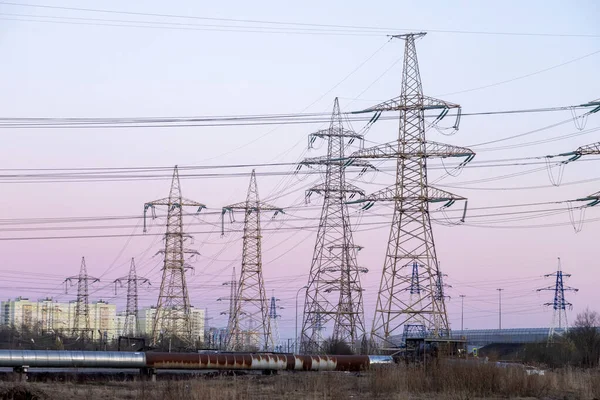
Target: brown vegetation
(447,381)
(580,347)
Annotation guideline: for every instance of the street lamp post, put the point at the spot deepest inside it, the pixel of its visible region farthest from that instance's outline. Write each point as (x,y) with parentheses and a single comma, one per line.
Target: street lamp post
(499,308)
(462,312)
(296,338)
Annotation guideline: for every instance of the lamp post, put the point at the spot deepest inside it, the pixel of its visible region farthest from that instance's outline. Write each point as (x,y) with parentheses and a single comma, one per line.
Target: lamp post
(296,338)
(462,312)
(499,308)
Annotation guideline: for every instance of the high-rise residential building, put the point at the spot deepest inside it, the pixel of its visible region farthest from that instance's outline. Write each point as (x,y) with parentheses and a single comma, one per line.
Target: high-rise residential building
(47,315)
(146,318)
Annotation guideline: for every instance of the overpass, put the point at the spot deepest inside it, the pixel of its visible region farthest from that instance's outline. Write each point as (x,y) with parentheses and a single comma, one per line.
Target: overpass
(484,337)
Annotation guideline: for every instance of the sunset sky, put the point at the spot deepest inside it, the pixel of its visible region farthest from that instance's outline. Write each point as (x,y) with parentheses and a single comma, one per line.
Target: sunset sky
(79,64)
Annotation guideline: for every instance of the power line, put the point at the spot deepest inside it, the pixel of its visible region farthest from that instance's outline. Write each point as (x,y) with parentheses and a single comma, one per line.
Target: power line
(240,120)
(523,76)
(303,24)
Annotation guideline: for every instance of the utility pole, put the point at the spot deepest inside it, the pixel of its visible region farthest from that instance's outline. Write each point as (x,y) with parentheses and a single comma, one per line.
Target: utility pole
(411,236)
(251,300)
(130,327)
(81,322)
(172,317)
(559,304)
(462,313)
(499,308)
(334,291)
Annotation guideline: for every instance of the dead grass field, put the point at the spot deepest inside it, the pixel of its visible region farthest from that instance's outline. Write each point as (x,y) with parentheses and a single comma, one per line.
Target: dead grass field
(456,382)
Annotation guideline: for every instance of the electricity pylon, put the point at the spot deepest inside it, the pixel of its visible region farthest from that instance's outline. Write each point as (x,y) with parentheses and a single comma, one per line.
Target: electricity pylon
(559,304)
(411,237)
(232,304)
(172,317)
(250,317)
(415,287)
(274,317)
(130,327)
(334,292)
(81,322)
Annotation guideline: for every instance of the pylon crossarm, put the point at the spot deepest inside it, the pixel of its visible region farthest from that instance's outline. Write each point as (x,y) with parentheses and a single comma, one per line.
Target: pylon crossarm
(172,205)
(325,133)
(595,104)
(400,104)
(590,149)
(348,188)
(593,199)
(393,150)
(345,162)
(434,195)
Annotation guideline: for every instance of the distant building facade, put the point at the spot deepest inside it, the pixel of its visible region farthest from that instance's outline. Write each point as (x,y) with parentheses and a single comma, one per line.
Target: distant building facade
(47,315)
(146,319)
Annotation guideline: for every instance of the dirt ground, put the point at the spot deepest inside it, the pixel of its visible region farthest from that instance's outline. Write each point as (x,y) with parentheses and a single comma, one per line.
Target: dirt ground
(454,383)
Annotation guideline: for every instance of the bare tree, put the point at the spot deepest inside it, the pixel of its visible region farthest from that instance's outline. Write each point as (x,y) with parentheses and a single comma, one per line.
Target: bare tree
(585,335)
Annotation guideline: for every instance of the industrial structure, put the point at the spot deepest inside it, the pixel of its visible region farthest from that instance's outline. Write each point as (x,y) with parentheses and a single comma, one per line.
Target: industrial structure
(81,324)
(411,238)
(232,304)
(173,309)
(249,318)
(148,363)
(130,323)
(559,303)
(274,319)
(334,292)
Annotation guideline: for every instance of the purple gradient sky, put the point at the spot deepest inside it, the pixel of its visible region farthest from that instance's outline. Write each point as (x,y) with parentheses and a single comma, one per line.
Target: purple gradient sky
(53,70)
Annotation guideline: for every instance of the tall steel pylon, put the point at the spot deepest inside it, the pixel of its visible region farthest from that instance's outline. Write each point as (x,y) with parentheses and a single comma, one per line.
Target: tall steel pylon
(250,324)
(130,326)
(274,317)
(172,317)
(411,237)
(559,304)
(233,292)
(334,292)
(81,321)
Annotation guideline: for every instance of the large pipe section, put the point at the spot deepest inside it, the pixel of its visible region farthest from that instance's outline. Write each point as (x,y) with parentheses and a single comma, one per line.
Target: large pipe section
(71,359)
(191,361)
(232,361)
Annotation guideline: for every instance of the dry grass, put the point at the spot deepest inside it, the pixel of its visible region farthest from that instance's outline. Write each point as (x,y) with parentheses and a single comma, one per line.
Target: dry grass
(449,382)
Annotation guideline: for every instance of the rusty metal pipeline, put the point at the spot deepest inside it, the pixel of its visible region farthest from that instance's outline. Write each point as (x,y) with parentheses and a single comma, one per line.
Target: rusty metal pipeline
(233,361)
(191,361)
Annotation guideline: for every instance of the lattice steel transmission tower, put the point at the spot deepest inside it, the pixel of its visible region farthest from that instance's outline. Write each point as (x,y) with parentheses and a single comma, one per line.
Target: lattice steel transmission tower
(274,317)
(334,293)
(559,304)
(250,324)
(172,317)
(411,237)
(81,322)
(130,326)
(233,292)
